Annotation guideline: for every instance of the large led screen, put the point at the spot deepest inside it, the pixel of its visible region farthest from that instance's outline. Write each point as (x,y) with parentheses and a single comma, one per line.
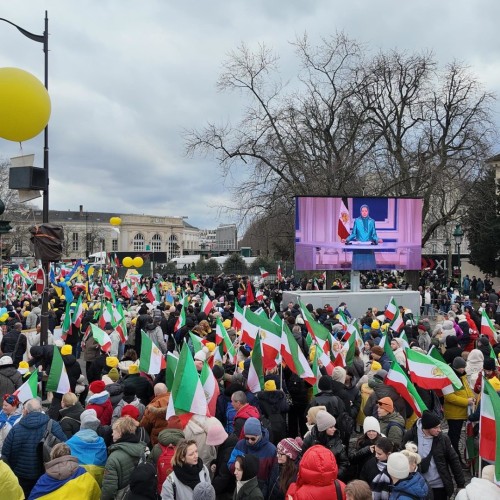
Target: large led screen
(362,234)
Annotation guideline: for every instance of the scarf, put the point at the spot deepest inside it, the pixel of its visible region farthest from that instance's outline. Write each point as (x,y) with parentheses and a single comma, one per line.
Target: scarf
(11,419)
(239,484)
(189,474)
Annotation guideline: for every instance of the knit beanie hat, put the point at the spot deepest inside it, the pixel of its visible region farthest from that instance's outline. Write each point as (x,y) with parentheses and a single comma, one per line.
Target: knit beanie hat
(250,467)
(324,383)
(429,420)
(203,491)
(387,404)
(113,374)
(376,366)
(324,420)
(483,340)
(252,427)
(133,369)
(339,374)
(489,364)
(290,447)
(398,465)
(371,424)
(270,385)
(111,361)
(106,380)
(97,386)
(458,362)
(89,420)
(66,350)
(6,360)
(216,433)
(313,411)
(130,411)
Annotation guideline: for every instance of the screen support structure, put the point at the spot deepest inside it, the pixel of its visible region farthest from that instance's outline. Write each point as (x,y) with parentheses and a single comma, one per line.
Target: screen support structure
(355,281)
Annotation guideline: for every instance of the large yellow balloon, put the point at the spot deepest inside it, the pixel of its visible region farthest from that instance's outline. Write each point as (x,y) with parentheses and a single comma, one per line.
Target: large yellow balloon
(4,317)
(127,261)
(138,262)
(115,221)
(24,105)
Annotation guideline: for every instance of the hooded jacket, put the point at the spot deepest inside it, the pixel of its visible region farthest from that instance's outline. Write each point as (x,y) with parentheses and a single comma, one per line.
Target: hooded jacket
(478,489)
(10,380)
(453,350)
(414,486)
(70,419)
(154,420)
(101,403)
(456,403)
(166,437)
(317,476)
(241,416)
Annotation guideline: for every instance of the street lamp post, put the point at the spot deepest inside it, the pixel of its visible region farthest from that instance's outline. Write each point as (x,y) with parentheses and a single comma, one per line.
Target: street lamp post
(458,234)
(447,247)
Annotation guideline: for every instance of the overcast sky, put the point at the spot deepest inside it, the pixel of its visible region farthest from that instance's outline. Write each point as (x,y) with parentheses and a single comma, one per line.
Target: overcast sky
(127,77)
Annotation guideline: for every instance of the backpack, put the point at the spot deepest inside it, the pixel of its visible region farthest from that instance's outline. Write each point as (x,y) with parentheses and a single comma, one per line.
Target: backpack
(47,442)
(123,493)
(395,424)
(345,425)
(143,471)
(275,423)
(164,464)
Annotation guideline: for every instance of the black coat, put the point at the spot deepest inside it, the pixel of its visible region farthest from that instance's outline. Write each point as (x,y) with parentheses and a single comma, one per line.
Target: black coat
(70,419)
(73,370)
(224,481)
(334,405)
(143,388)
(8,345)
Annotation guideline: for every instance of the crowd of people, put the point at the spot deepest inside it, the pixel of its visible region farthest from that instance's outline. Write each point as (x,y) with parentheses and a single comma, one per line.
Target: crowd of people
(348,436)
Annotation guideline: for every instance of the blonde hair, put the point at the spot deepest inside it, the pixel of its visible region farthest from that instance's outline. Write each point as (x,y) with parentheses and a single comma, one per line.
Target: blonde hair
(181,451)
(125,425)
(313,412)
(358,490)
(411,452)
(69,399)
(60,450)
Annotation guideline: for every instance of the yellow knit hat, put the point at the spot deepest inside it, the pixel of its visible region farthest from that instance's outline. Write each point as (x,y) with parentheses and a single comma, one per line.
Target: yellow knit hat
(376,366)
(133,369)
(24,364)
(66,349)
(111,361)
(270,385)
(226,323)
(210,346)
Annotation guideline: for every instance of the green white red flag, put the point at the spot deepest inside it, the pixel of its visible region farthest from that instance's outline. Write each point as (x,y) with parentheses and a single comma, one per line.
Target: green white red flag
(29,389)
(294,357)
(398,379)
(58,380)
(101,337)
(238,316)
(429,373)
(263,272)
(210,387)
(487,328)
(172,361)
(66,325)
(206,305)
(187,395)
(279,276)
(222,338)
(152,360)
(181,321)
(489,426)
(78,313)
(393,314)
(256,372)
(343,223)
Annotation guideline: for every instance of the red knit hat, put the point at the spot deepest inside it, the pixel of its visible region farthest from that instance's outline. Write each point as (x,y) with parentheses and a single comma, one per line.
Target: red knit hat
(130,411)
(290,447)
(97,386)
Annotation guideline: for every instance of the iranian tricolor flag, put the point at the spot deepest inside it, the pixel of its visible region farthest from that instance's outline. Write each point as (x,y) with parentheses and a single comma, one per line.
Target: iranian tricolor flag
(108,291)
(489,426)
(397,378)
(106,315)
(121,326)
(78,313)
(350,346)
(317,330)
(172,361)
(393,314)
(210,387)
(125,290)
(206,305)
(316,369)
(294,357)
(343,222)
(429,373)
(256,372)
(181,321)
(58,380)
(194,279)
(29,389)
(263,272)
(152,360)
(101,337)
(222,337)
(487,328)
(187,395)
(66,325)
(279,276)
(238,316)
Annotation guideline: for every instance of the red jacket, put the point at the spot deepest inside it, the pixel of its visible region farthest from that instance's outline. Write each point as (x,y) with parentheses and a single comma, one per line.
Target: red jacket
(104,411)
(240,418)
(316,476)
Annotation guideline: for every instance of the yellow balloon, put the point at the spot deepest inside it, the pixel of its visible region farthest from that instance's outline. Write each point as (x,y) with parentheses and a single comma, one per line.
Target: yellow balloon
(127,261)
(138,262)
(24,105)
(115,221)
(4,317)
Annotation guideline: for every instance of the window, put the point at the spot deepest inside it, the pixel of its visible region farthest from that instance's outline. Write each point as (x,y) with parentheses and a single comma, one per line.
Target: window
(156,243)
(114,245)
(74,242)
(434,248)
(18,247)
(172,246)
(139,242)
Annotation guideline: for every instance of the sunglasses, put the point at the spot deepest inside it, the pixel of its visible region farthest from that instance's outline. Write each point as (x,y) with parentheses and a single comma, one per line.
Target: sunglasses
(251,439)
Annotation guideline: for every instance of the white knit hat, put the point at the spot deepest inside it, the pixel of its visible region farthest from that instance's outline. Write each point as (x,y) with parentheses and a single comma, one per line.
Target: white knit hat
(371,424)
(398,465)
(324,420)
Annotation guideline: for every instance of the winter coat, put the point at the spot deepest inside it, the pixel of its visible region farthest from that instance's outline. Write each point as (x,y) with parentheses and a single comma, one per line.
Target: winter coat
(117,412)
(223,480)
(182,491)
(70,419)
(115,391)
(9,485)
(64,478)
(334,405)
(143,388)
(274,490)
(96,368)
(10,380)
(274,406)
(474,365)
(91,350)
(445,458)
(196,430)
(479,489)
(333,443)
(413,486)
(20,447)
(316,477)
(32,318)
(339,390)
(154,420)
(380,390)
(8,345)
(264,450)
(165,438)
(101,403)
(453,350)
(249,491)
(393,427)
(456,403)
(124,456)
(241,416)
(359,456)
(156,335)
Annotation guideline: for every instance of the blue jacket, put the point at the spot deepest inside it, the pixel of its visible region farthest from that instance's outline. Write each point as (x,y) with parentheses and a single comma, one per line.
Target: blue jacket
(88,448)
(414,486)
(20,448)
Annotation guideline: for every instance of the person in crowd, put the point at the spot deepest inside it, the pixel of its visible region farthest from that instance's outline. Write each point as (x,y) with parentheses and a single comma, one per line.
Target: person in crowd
(99,401)
(379,355)
(188,471)
(9,485)
(397,347)
(480,488)
(474,366)
(453,350)
(154,416)
(489,372)
(244,411)
(285,470)
(364,446)
(10,378)
(129,398)
(325,434)
(196,429)
(143,387)
(317,477)
(9,415)
(246,468)
(20,448)
(65,478)
(297,389)
(440,462)
(358,490)
(380,391)
(14,344)
(141,433)
(70,412)
(124,455)
(374,472)
(392,424)
(325,397)
(406,486)
(274,407)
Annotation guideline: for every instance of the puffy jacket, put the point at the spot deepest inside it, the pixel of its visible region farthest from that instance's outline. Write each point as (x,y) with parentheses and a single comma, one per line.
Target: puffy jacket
(123,458)
(317,476)
(478,489)
(332,443)
(154,420)
(414,486)
(9,486)
(115,392)
(456,403)
(196,430)
(8,345)
(20,447)
(334,405)
(10,380)
(32,318)
(143,388)
(101,403)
